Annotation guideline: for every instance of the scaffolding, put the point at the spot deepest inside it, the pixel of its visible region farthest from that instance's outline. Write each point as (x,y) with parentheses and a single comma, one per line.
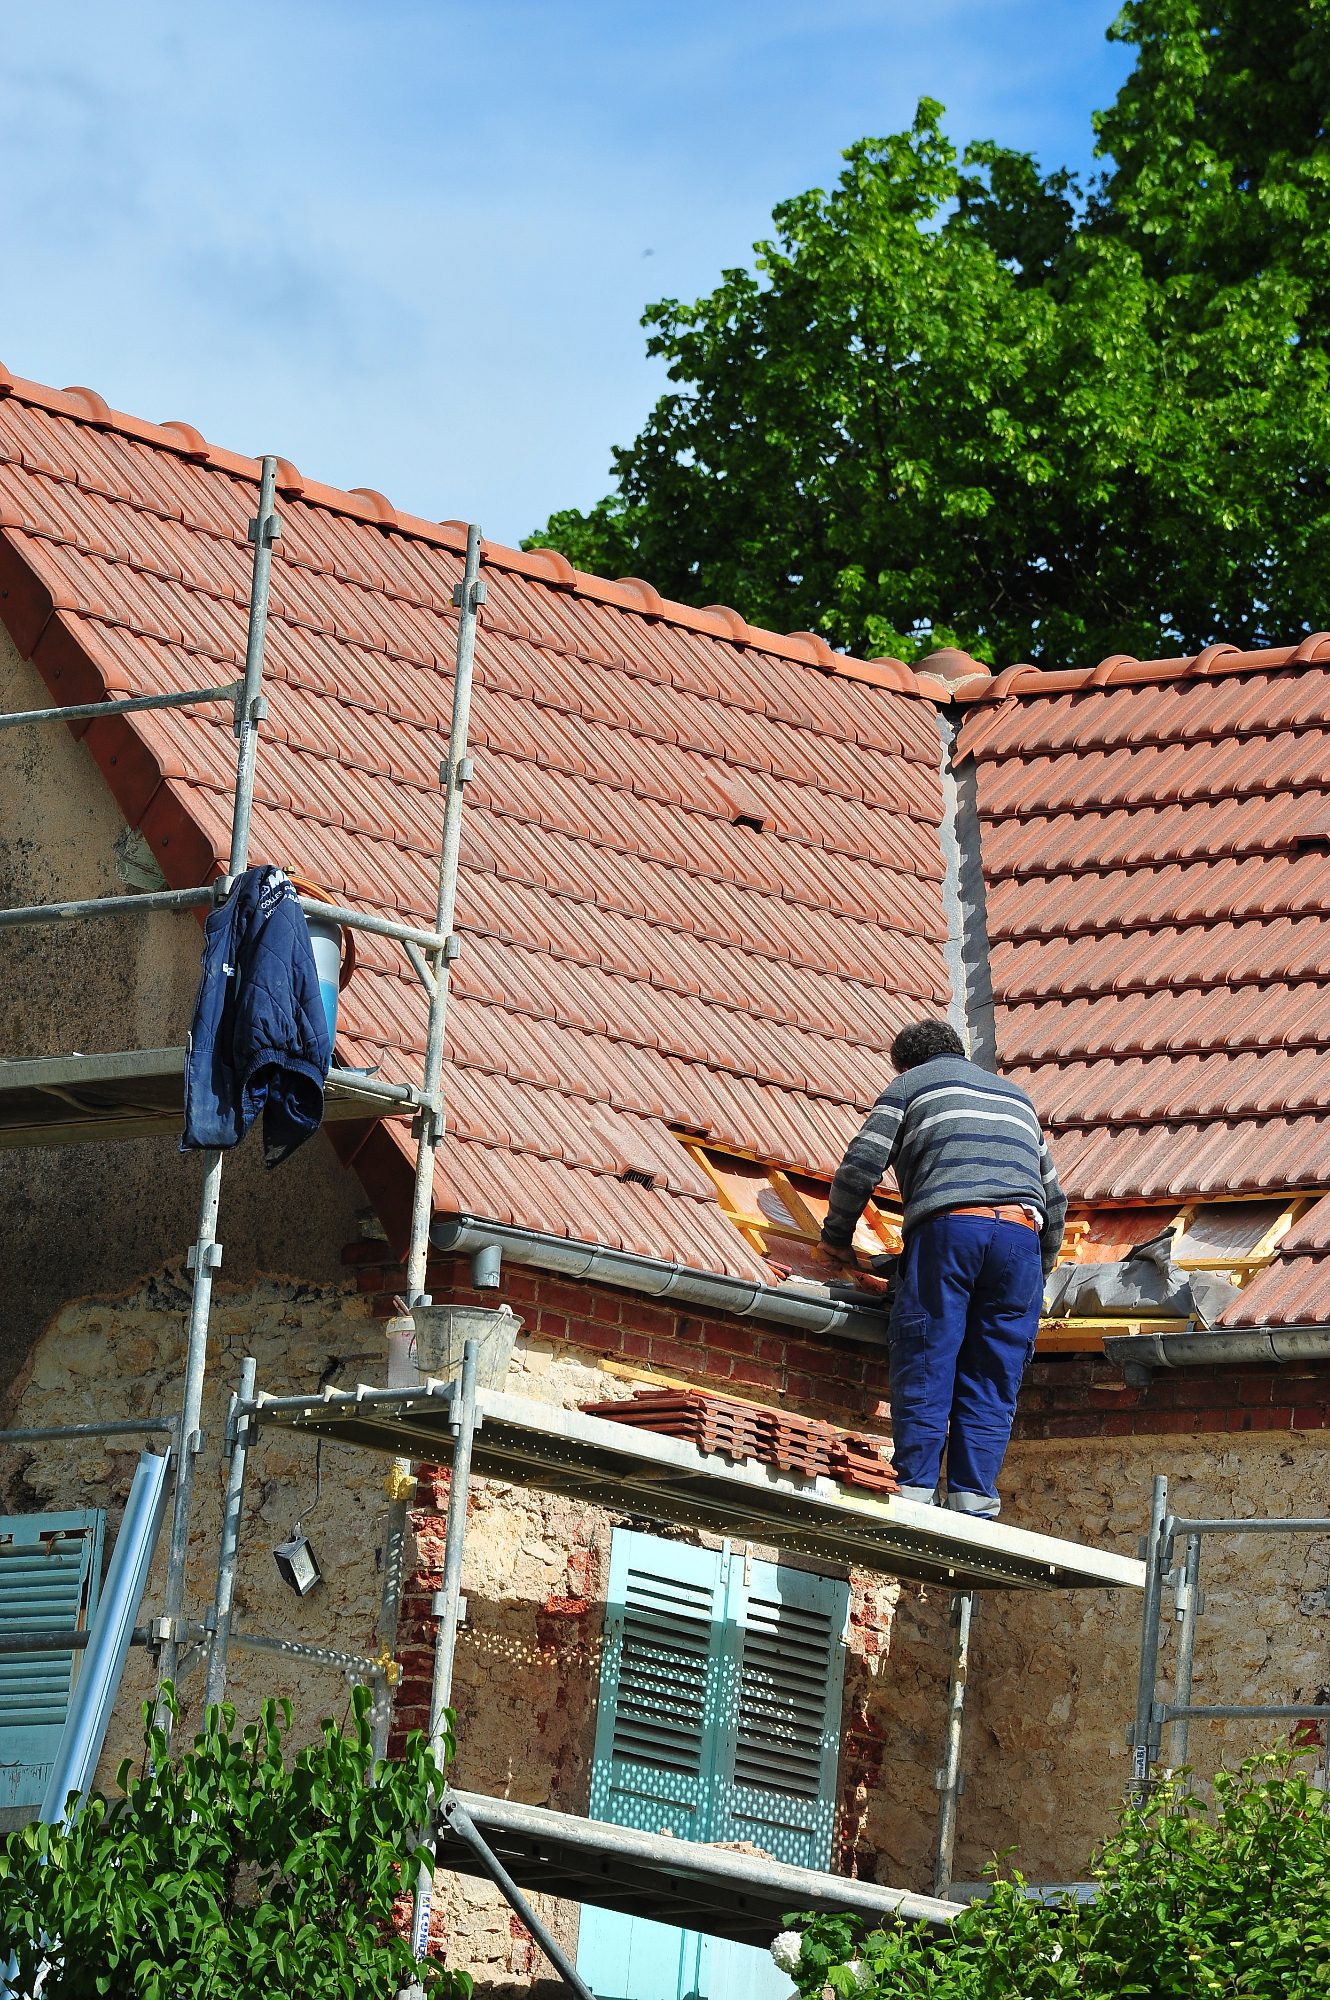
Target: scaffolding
(1172,1551)
(136,1093)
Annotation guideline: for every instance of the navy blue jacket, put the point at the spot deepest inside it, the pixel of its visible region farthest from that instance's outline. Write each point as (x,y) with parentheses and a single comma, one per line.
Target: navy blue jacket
(259,1038)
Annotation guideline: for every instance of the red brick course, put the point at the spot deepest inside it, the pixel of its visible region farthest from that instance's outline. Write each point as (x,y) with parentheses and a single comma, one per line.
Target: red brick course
(1084,1395)
(1063,1396)
(839,1376)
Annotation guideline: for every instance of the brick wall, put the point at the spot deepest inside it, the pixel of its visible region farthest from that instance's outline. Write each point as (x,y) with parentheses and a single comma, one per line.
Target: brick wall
(1085,1396)
(838,1379)
(1063,1396)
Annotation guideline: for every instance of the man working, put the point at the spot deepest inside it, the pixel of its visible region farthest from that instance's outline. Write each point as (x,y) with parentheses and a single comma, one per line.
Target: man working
(982,1226)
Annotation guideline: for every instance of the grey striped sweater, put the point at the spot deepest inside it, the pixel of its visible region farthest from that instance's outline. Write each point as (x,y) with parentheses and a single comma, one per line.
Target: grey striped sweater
(957,1136)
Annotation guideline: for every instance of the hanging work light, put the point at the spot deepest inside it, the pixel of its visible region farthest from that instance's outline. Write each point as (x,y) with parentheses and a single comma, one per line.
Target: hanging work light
(296,1561)
(298,1564)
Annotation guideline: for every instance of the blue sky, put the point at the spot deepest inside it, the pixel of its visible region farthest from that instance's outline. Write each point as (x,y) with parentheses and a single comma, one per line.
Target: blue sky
(407,245)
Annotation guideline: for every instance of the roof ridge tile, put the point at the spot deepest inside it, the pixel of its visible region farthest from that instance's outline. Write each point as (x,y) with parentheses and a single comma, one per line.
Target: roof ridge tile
(363,503)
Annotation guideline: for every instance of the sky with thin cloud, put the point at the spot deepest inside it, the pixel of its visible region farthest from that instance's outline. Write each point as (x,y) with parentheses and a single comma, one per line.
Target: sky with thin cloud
(407,246)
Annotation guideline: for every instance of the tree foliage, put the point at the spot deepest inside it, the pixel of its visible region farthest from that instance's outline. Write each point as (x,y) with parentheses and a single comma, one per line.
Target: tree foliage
(1233,1905)
(228,1875)
(956,400)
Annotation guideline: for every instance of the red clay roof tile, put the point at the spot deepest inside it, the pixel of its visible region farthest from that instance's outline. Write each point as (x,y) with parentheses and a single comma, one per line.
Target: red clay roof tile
(632,956)
(1160,949)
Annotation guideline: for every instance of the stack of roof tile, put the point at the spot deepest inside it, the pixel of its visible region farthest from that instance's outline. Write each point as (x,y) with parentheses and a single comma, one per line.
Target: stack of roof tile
(747,1430)
(712,1423)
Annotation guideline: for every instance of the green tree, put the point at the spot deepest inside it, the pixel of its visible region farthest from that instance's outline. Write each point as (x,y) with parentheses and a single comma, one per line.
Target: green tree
(228,1875)
(1233,1905)
(952,401)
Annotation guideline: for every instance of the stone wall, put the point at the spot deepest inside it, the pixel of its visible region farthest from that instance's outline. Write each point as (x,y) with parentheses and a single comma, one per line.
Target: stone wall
(93,1219)
(1053,1676)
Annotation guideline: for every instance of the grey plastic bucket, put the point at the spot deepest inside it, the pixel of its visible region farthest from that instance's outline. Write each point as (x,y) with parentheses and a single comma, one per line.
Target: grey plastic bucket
(326,938)
(443,1331)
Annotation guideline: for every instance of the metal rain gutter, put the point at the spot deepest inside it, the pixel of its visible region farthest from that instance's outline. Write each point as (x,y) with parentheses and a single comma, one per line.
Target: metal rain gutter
(743,1297)
(1141,1352)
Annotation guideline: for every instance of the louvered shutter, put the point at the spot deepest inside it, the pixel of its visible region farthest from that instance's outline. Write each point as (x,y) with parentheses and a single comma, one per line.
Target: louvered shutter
(719,1717)
(661,1687)
(50,1569)
(785,1718)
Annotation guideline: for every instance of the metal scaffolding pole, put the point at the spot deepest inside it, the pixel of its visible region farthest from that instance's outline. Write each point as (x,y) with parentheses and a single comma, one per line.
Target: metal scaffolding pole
(1187,1605)
(464,1827)
(950,1779)
(463,1428)
(1143,1737)
(239,1429)
(1181,1711)
(206,1255)
(468,596)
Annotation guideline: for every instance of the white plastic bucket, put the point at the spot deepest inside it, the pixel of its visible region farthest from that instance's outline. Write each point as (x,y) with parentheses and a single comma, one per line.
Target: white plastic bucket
(326,938)
(443,1331)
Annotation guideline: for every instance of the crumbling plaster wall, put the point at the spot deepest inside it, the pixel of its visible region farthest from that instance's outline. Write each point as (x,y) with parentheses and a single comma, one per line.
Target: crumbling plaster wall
(91,1219)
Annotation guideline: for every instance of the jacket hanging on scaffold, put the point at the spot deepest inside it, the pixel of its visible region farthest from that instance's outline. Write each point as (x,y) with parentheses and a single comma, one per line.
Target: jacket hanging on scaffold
(259,1037)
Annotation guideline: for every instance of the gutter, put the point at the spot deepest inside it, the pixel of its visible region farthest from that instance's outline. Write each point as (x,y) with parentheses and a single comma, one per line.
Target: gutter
(1140,1354)
(468,1235)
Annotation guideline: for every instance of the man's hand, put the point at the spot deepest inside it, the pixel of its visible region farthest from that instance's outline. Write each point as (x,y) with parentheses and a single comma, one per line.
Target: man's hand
(847,1263)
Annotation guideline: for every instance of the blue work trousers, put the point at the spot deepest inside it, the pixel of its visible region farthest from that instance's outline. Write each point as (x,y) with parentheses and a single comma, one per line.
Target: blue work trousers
(962,1330)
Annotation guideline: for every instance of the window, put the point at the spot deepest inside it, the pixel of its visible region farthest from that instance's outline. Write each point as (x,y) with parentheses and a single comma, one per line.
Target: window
(719,1719)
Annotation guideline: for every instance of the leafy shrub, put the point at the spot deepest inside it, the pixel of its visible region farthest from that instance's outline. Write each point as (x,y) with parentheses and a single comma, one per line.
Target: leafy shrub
(1229,1905)
(228,1875)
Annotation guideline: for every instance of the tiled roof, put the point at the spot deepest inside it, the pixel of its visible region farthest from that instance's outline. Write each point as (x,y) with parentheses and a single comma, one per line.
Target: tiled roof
(1294,1289)
(634,955)
(1158,885)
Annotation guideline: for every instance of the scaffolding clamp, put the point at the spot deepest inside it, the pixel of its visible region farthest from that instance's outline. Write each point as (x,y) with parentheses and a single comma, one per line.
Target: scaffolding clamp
(479,592)
(272,529)
(211,1258)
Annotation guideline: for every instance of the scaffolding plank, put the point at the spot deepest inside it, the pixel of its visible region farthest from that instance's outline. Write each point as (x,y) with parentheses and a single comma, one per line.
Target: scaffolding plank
(75,1100)
(744,1897)
(626,1470)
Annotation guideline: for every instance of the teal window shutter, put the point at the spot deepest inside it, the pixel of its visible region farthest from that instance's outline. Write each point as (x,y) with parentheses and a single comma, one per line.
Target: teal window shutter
(779,1788)
(719,1719)
(659,1719)
(50,1571)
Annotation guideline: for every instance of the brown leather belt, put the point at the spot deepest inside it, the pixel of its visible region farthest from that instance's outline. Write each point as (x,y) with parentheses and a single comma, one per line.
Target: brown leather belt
(1012,1214)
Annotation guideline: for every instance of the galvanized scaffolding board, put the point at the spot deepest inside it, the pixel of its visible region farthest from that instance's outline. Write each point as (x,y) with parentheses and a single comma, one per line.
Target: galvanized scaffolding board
(636,1472)
(139,1094)
(744,1897)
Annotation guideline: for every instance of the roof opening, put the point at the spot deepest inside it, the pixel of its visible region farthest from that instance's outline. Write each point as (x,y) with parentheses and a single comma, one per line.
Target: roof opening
(638,1177)
(749,820)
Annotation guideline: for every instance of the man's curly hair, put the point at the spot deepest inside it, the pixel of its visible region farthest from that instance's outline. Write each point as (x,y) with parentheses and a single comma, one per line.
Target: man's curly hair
(922,1040)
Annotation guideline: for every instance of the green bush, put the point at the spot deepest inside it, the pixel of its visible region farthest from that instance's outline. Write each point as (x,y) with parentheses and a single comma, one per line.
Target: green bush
(227,1875)
(1229,1904)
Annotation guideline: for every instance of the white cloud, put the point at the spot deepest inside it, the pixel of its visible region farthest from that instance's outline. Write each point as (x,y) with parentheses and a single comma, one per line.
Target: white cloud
(403,245)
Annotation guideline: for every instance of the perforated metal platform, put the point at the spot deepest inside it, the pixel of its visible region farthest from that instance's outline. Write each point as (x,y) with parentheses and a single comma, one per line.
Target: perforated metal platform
(137,1094)
(664,1479)
(740,1896)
